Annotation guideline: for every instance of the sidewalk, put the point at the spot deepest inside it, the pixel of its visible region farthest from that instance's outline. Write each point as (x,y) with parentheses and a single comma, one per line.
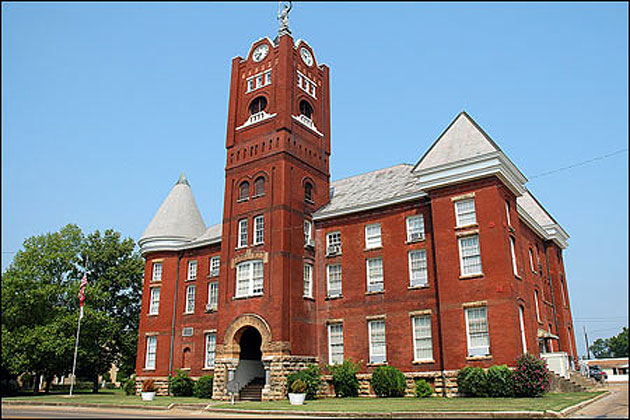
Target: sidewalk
(210,408)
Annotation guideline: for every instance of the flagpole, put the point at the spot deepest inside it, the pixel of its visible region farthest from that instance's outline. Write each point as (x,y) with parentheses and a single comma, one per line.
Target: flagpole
(76,347)
(76,342)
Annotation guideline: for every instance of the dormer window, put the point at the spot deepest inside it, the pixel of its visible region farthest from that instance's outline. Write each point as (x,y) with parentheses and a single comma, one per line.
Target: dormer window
(258,105)
(306,109)
(243,191)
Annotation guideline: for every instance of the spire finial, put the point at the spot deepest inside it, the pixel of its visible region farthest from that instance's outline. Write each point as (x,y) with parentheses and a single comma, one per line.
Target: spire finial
(283,19)
(182,180)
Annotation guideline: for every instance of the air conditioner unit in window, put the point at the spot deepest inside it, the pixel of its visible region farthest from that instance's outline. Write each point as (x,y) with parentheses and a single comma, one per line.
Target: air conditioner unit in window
(416,236)
(214,273)
(310,243)
(187,332)
(211,307)
(334,249)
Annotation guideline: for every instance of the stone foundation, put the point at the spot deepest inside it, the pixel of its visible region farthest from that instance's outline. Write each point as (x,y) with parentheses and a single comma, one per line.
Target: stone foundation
(161,384)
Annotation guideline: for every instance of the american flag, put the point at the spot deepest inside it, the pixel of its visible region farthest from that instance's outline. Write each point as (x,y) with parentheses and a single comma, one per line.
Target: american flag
(82,292)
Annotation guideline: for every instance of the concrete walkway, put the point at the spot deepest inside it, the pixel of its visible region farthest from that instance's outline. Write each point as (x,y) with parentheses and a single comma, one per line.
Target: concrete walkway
(614,405)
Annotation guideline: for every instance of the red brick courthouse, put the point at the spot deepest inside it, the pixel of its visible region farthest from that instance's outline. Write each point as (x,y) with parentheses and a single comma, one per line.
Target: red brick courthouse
(426,267)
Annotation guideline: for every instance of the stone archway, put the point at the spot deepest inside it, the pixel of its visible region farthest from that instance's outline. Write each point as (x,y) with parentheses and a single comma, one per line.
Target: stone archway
(233,333)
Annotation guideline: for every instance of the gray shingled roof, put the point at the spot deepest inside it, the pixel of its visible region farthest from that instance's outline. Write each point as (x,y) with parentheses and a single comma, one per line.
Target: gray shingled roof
(369,190)
(178,217)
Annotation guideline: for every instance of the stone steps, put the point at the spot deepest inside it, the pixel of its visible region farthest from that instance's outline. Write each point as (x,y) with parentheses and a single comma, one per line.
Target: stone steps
(252,391)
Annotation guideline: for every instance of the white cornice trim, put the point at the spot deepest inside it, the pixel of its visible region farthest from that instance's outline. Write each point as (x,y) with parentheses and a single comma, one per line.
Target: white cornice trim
(154,244)
(305,124)
(488,164)
(369,206)
(553,232)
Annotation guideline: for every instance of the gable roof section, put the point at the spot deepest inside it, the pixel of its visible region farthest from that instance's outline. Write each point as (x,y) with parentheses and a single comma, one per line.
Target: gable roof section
(370,190)
(534,214)
(464,152)
(176,222)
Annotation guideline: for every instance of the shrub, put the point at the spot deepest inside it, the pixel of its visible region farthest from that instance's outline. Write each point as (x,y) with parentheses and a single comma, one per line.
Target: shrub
(203,387)
(344,377)
(148,385)
(182,385)
(531,377)
(298,386)
(311,377)
(387,381)
(423,389)
(500,381)
(472,382)
(129,386)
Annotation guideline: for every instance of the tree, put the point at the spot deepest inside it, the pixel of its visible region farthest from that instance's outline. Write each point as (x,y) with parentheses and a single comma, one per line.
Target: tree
(40,304)
(616,346)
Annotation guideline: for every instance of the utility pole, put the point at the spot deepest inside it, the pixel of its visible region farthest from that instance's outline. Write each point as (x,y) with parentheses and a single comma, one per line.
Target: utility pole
(588,353)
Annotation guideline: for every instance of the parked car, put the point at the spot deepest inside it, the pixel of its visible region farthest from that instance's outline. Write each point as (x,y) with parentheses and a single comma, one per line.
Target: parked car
(597,373)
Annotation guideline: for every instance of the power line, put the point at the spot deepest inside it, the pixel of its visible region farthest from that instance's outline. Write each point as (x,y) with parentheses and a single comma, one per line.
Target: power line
(564,168)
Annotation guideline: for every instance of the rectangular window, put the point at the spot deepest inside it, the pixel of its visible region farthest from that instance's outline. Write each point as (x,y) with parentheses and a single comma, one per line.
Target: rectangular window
(250,85)
(422,341)
(211,345)
(334,280)
(378,348)
(267,78)
(536,305)
(333,243)
(242,233)
(373,235)
(521,319)
(154,307)
(477,331)
(335,343)
(375,274)
(190,299)
(157,272)
(507,212)
(215,266)
(213,295)
(299,81)
(470,255)
(151,352)
(415,228)
(531,260)
(564,300)
(249,278)
(192,270)
(308,231)
(259,81)
(465,213)
(418,268)
(513,252)
(259,230)
(308,280)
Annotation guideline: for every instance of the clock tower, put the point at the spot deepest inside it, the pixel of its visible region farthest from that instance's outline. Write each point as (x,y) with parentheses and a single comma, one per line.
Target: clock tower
(277,175)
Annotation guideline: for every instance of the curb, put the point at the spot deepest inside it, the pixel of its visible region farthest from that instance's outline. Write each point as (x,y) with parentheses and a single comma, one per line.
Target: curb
(582,404)
(90,405)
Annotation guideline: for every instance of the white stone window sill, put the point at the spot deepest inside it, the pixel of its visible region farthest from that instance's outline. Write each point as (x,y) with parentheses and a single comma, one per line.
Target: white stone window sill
(308,297)
(152,314)
(471,276)
(247,296)
(423,361)
(149,369)
(333,297)
(470,226)
(240,200)
(415,241)
(240,247)
(486,357)
(371,364)
(258,243)
(419,286)
(374,248)
(375,292)
(191,279)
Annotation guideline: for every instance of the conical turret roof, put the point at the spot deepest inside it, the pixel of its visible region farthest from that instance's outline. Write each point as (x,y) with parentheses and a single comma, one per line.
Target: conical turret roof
(176,222)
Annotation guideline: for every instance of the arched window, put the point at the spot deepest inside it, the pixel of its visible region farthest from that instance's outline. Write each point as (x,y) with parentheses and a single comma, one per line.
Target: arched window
(259,186)
(186,362)
(257,105)
(306,109)
(308,191)
(243,191)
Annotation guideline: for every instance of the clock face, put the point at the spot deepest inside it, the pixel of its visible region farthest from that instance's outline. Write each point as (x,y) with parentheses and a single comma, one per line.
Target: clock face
(306,56)
(260,52)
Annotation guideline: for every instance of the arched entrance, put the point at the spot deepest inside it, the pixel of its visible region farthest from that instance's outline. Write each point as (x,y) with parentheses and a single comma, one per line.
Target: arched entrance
(250,372)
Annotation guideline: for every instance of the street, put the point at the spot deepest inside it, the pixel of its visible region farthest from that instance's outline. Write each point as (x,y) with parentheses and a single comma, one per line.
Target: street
(611,406)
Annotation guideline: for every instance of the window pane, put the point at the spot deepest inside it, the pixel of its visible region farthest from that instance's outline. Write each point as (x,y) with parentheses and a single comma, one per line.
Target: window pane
(259,229)
(151,351)
(334,280)
(242,233)
(375,274)
(257,282)
(423,344)
(470,255)
(215,266)
(308,280)
(190,299)
(192,270)
(478,331)
(242,279)
(335,342)
(155,301)
(211,343)
(157,272)
(213,294)
(373,235)
(415,228)
(417,268)
(377,341)
(465,212)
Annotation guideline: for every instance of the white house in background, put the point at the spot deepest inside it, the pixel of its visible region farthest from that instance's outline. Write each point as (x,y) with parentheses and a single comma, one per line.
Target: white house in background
(616,369)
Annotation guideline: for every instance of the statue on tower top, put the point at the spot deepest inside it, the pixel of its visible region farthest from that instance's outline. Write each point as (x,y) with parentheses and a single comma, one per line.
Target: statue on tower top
(283,19)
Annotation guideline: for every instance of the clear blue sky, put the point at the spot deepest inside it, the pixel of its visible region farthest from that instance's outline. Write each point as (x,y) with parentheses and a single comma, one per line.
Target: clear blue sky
(105,104)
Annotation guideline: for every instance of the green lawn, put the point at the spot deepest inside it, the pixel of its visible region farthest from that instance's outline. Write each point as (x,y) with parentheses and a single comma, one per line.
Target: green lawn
(554,402)
(106,396)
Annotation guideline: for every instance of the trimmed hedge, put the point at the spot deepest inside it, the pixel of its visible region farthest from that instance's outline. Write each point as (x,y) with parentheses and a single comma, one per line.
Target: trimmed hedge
(387,381)
(203,387)
(344,377)
(472,382)
(500,381)
(423,389)
(311,376)
(182,385)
